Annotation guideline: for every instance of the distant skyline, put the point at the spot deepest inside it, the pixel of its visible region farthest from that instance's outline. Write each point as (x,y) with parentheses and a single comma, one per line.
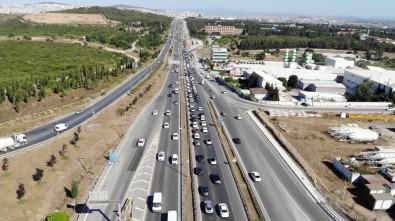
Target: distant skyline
(350,8)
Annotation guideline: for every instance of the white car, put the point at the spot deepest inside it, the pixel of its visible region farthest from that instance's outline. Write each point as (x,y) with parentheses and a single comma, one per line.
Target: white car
(200,108)
(238,117)
(212,97)
(168,112)
(175,136)
(174,159)
(196,136)
(141,142)
(255,176)
(79,111)
(389,109)
(204,124)
(224,92)
(166,125)
(350,105)
(195,124)
(223,210)
(155,112)
(204,130)
(208,141)
(61,127)
(161,156)
(212,160)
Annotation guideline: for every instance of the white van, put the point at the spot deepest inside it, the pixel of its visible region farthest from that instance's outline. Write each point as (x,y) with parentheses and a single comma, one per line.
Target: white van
(157,202)
(172,215)
(61,127)
(174,159)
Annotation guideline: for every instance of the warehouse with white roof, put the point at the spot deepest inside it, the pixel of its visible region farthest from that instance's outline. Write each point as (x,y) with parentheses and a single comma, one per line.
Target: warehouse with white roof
(380,78)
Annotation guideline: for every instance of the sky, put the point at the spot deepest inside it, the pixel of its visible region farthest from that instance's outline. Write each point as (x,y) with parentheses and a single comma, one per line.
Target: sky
(352,8)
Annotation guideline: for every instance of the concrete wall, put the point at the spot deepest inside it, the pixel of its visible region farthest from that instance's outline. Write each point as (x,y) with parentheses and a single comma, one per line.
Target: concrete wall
(328,104)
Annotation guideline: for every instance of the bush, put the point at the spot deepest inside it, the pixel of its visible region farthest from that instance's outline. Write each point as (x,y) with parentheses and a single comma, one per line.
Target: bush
(58,216)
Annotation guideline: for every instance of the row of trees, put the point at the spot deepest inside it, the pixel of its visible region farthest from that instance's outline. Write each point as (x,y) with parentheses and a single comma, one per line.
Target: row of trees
(338,42)
(365,93)
(38,87)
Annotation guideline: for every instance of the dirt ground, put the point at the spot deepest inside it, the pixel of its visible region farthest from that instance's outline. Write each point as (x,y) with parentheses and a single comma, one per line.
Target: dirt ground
(64,18)
(311,139)
(204,53)
(97,138)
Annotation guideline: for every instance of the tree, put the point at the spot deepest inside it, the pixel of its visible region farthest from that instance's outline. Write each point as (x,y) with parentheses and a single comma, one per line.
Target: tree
(293,81)
(284,80)
(63,151)
(58,216)
(276,94)
(20,192)
(38,175)
(260,56)
(74,189)
(252,81)
(51,162)
(5,165)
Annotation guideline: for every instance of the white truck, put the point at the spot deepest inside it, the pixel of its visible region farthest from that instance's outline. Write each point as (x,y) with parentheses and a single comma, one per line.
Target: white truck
(7,143)
(202,82)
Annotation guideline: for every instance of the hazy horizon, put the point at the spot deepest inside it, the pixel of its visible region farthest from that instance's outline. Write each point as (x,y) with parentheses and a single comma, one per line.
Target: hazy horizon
(381,9)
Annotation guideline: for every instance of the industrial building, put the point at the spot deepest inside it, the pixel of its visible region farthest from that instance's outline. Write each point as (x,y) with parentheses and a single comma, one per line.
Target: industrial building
(219,54)
(329,87)
(381,79)
(339,62)
(223,30)
(263,78)
(260,93)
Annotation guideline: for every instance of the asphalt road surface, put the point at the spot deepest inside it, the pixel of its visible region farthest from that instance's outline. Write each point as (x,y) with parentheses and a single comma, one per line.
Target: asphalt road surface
(282,194)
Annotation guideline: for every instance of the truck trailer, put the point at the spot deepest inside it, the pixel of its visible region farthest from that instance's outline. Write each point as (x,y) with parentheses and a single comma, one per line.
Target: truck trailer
(9,143)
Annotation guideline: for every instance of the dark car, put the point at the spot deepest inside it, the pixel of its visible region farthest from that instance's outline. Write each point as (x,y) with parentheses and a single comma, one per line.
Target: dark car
(216,178)
(193,115)
(198,171)
(196,142)
(169,95)
(200,158)
(203,190)
(304,104)
(170,85)
(237,140)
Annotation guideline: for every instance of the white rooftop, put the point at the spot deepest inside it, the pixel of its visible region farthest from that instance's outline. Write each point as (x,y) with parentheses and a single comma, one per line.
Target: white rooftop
(384,77)
(318,94)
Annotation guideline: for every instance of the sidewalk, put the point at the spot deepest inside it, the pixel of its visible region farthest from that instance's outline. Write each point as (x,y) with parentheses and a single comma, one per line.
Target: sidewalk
(296,170)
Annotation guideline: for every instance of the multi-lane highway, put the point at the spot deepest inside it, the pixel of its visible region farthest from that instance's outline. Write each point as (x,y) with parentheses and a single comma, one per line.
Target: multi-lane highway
(282,194)
(46,132)
(117,178)
(167,176)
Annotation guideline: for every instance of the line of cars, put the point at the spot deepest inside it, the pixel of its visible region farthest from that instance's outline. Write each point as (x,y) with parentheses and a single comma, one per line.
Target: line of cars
(198,126)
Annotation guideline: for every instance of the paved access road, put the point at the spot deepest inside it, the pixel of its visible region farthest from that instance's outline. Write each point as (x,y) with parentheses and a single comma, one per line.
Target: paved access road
(46,132)
(282,194)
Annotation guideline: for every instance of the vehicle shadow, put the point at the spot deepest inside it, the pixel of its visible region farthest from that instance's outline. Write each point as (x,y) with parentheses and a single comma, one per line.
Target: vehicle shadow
(149,202)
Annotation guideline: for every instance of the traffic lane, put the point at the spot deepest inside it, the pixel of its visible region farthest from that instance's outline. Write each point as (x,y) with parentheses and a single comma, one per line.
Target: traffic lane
(301,204)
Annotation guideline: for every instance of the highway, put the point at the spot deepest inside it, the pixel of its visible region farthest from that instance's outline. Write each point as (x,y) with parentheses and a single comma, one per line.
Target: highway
(116,181)
(226,192)
(282,194)
(46,132)
(166,177)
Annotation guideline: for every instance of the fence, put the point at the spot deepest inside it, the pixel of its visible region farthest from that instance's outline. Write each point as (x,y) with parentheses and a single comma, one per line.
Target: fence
(326,104)
(350,210)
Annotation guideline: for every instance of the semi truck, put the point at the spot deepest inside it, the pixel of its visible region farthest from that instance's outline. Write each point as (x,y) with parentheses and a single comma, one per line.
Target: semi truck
(9,143)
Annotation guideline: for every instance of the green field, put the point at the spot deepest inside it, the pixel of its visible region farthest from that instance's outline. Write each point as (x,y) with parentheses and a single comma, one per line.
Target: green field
(21,59)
